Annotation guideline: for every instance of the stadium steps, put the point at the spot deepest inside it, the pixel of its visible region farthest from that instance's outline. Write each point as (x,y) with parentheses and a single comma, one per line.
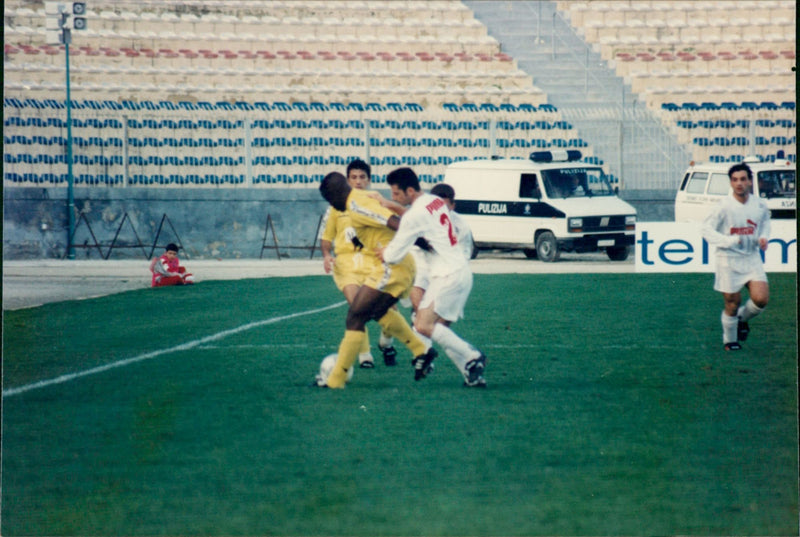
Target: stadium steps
(652,158)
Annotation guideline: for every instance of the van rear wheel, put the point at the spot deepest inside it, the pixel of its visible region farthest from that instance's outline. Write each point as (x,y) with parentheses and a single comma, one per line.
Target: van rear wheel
(617,253)
(530,253)
(547,247)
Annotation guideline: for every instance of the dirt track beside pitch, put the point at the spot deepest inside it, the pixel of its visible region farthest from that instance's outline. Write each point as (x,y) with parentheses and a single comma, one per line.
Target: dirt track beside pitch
(36,282)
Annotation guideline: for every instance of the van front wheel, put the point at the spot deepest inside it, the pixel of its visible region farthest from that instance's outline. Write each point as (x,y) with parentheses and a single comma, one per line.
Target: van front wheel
(617,253)
(547,247)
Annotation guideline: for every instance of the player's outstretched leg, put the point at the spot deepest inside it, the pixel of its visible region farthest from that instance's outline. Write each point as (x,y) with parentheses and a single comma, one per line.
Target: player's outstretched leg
(348,353)
(469,360)
(396,325)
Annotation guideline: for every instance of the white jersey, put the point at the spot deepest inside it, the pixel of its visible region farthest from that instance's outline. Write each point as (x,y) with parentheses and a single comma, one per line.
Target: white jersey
(735,227)
(463,234)
(429,218)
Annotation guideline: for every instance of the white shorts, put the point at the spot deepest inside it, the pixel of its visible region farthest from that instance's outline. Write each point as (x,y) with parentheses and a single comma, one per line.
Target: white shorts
(421,278)
(448,294)
(734,272)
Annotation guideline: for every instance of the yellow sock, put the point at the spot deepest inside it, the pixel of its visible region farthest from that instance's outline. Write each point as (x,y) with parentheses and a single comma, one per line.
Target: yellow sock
(365,345)
(348,353)
(396,326)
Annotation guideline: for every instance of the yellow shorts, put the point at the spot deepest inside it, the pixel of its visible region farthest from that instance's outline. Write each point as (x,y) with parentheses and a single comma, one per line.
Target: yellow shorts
(352,269)
(392,279)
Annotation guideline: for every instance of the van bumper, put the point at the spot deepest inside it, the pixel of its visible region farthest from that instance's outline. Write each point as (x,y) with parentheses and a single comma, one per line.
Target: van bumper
(593,243)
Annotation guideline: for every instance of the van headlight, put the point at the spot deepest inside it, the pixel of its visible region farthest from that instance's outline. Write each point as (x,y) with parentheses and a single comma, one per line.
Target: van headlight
(630,222)
(575,225)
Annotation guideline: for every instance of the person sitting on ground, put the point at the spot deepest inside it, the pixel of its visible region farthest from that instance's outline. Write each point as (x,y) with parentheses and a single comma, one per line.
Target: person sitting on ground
(167,269)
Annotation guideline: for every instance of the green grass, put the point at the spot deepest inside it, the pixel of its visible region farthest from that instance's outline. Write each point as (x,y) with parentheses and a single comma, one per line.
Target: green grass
(611,410)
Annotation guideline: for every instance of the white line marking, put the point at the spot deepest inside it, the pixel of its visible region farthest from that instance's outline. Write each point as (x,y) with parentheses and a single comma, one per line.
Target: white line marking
(154,354)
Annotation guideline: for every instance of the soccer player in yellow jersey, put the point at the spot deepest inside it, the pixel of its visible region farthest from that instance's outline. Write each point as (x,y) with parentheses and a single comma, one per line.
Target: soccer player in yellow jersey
(375,227)
(342,254)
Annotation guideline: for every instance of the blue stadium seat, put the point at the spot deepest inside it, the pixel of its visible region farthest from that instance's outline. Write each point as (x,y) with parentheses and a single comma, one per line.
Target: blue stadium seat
(318,107)
(722,141)
(413,107)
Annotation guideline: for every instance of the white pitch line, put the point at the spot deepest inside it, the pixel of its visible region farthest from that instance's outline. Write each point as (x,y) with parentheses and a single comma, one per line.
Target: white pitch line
(154,354)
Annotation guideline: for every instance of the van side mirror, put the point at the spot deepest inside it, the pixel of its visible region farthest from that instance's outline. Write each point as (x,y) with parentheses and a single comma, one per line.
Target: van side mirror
(616,190)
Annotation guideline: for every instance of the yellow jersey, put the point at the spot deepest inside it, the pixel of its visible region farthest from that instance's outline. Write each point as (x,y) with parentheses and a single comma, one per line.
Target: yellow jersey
(369,220)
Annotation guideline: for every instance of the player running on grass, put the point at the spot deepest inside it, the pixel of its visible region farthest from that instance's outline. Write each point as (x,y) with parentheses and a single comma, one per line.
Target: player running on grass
(739,226)
(429,218)
(348,264)
(375,227)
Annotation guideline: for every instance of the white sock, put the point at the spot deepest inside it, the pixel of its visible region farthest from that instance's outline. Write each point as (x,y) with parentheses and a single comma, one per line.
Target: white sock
(365,357)
(729,325)
(385,340)
(459,351)
(749,310)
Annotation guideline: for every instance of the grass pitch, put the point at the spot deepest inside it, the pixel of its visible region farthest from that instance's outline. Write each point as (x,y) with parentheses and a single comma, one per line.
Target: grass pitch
(611,410)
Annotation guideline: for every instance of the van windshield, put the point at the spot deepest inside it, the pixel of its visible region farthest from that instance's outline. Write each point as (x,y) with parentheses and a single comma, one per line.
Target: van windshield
(576,182)
(776,183)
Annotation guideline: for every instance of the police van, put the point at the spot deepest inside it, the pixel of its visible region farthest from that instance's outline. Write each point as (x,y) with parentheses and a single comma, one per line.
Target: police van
(547,204)
(704,185)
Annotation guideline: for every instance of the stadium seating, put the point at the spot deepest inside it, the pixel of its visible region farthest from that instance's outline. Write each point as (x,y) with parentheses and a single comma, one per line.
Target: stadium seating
(256,94)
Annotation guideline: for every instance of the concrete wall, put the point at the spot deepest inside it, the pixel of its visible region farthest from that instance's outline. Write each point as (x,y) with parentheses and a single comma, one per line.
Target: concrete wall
(208,223)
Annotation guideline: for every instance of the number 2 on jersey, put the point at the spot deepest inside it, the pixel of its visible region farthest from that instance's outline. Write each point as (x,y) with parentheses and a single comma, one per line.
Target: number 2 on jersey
(445,221)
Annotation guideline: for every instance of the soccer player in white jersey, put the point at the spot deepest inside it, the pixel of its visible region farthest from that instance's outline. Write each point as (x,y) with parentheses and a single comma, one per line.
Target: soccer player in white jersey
(739,227)
(450,278)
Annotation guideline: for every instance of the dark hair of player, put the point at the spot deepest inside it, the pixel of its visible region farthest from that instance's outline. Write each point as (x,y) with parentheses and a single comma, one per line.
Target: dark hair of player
(403,178)
(444,191)
(741,167)
(359,164)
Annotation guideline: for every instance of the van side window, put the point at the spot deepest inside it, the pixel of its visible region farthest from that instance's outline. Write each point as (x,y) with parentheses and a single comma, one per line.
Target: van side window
(529,186)
(719,184)
(697,183)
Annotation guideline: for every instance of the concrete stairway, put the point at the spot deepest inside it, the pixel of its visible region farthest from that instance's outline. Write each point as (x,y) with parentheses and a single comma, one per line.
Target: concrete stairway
(624,134)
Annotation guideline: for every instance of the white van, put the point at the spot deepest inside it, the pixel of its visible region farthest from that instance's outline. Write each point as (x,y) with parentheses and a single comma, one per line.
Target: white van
(704,185)
(542,206)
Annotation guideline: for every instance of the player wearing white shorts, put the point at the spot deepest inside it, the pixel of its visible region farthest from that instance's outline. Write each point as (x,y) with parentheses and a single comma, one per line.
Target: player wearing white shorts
(739,227)
(449,275)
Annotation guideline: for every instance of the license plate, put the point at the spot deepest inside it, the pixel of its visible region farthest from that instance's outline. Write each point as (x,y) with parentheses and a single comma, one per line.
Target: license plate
(605,242)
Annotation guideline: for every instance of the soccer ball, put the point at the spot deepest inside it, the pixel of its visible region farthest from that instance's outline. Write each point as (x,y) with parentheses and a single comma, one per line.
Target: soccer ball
(326,367)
